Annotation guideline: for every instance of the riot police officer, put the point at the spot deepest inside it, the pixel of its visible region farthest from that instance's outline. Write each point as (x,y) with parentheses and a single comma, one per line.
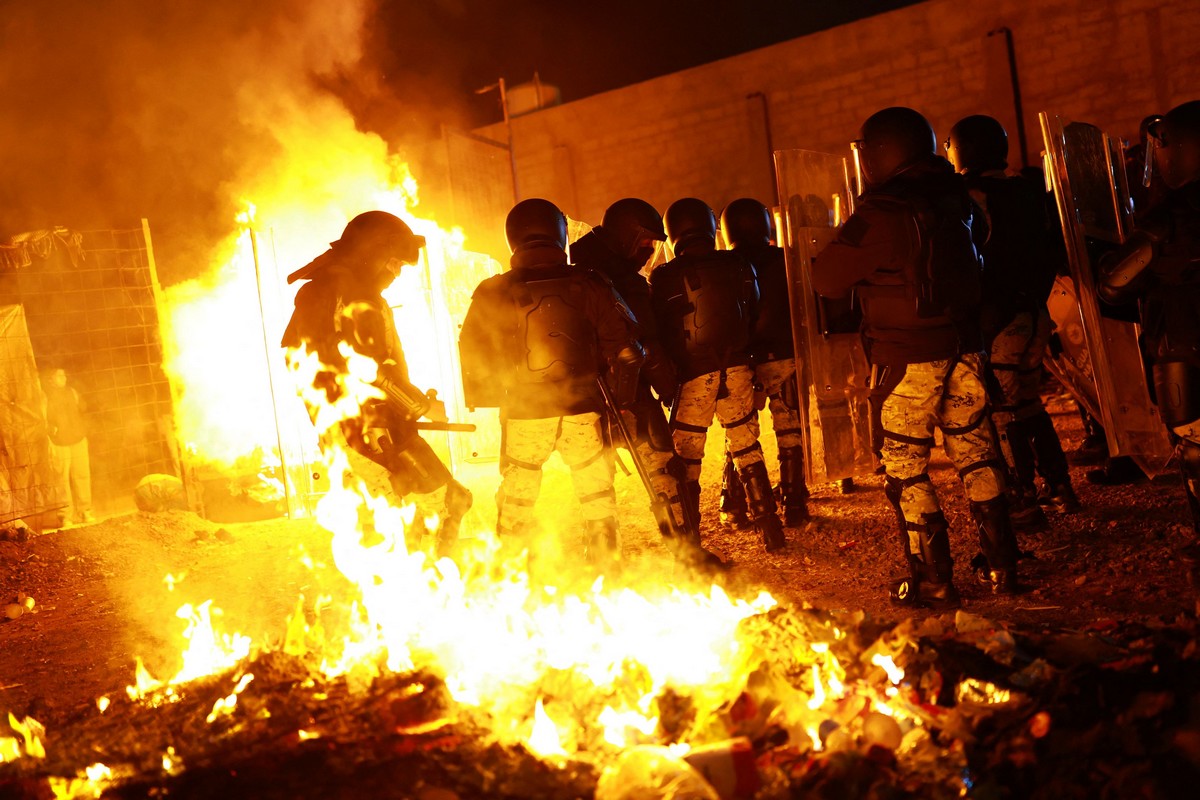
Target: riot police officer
(705,300)
(1020,264)
(1158,265)
(342,303)
(534,342)
(908,254)
(618,248)
(748,226)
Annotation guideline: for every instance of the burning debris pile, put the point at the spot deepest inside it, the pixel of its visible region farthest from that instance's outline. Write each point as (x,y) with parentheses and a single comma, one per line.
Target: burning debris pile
(821,706)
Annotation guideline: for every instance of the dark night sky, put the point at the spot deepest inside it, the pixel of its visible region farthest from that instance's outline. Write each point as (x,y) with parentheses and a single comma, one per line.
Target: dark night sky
(126,109)
(583,48)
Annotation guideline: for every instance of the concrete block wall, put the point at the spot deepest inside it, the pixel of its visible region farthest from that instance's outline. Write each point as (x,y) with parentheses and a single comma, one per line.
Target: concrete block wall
(708,131)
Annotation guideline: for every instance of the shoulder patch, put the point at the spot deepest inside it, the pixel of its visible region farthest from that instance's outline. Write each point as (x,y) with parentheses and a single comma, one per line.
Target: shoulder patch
(854,230)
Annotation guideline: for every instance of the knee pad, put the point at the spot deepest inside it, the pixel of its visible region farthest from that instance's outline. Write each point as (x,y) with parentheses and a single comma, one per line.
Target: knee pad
(893,488)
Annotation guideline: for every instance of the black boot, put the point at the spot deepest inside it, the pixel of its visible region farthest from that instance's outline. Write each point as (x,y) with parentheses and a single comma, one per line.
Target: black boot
(937,582)
(1058,495)
(926,549)
(1051,460)
(1117,470)
(998,543)
(691,502)
(682,535)
(792,489)
(733,497)
(1189,465)
(600,542)
(1026,514)
(458,503)
(761,501)
(693,555)
(1059,498)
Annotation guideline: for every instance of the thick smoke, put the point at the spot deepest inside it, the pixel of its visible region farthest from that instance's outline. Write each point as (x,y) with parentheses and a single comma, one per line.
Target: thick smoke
(123,109)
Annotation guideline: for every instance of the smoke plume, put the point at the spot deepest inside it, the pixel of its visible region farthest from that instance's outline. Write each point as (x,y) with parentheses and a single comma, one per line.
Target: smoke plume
(123,109)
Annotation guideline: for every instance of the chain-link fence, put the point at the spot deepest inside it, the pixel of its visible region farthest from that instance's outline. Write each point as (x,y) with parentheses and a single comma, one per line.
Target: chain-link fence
(91,311)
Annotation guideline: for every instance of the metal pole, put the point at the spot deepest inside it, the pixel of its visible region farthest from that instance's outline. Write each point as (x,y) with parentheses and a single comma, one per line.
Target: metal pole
(262,315)
(512,157)
(512,161)
(766,121)
(1016,91)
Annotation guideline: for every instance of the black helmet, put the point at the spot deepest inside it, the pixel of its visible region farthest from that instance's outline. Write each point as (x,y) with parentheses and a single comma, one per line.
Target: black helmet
(892,139)
(630,222)
(746,221)
(535,222)
(977,143)
(368,244)
(690,221)
(1176,141)
(379,235)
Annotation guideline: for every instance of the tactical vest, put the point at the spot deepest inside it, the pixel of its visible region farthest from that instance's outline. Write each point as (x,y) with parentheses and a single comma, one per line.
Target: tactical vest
(555,336)
(942,278)
(948,273)
(1018,258)
(705,302)
(772,336)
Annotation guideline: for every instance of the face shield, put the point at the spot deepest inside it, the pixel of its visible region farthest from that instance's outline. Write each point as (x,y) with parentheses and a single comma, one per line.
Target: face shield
(1154,140)
(951,153)
(856,152)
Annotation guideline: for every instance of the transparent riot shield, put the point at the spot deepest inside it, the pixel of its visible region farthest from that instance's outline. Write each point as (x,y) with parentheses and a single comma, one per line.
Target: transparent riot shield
(814,200)
(1087,171)
(1068,359)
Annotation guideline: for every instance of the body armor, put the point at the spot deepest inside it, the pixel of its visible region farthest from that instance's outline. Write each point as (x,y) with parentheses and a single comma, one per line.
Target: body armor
(704,303)
(772,335)
(555,340)
(536,338)
(920,299)
(1161,264)
(1019,262)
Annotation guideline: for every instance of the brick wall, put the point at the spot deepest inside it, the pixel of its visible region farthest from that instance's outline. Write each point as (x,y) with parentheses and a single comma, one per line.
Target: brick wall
(708,131)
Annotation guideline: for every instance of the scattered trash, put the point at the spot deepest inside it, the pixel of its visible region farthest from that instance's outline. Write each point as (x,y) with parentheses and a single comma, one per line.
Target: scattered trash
(156,493)
(729,767)
(652,773)
(24,604)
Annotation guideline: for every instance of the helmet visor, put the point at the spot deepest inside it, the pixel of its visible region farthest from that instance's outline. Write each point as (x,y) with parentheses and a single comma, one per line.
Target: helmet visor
(856,149)
(1154,140)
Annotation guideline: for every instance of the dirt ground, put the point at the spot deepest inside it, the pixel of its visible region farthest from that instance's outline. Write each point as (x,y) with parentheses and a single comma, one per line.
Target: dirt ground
(107,593)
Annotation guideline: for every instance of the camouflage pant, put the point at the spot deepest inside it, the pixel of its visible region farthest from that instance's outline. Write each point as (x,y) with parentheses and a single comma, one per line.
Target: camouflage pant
(774,376)
(378,482)
(1016,363)
(662,482)
(949,395)
(700,399)
(1188,432)
(528,443)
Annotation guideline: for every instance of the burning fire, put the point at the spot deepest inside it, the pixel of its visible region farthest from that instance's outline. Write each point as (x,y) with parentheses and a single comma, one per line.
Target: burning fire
(583,666)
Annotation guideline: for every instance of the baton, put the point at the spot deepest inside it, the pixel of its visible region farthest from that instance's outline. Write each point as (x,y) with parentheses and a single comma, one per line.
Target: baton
(455,427)
(619,422)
